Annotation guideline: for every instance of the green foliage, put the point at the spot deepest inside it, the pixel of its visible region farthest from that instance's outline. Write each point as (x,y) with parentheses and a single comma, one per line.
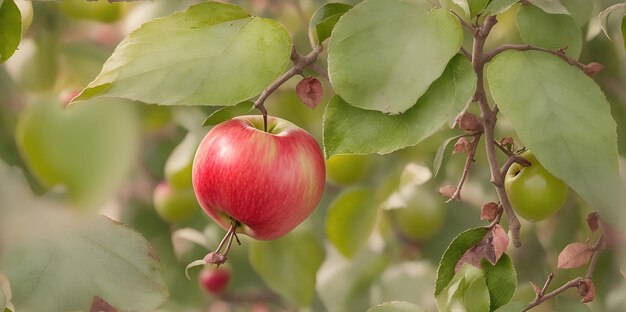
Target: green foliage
(395,306)
(552,31)
(227,113)
(468,9)
(501,281)
(612,16)
(350,220)
(467,291)
(171,67)
(179,164)
(325,18)
(10,29)
(288,265)
(97,10)
(409,281)
(407,62)
(512,307)
(76,148)
(550,6)
(580,10)
(456,249)
(496,7)
(353,130)
(565,121)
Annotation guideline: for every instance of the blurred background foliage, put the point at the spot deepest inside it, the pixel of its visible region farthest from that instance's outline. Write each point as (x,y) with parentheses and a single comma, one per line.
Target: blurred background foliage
(132,161)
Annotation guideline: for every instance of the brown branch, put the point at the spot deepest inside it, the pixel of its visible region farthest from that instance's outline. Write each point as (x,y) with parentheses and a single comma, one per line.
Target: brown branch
(300,62)
(513,159)
(465,24)
(526,47)
(466,53)
(502,148)
(468,164)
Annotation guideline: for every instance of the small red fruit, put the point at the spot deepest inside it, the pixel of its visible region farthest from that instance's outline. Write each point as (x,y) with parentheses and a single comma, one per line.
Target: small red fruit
(214,281)
(264,183)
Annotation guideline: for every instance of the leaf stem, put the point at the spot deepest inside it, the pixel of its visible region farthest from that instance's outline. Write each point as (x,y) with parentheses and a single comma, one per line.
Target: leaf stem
(468,164)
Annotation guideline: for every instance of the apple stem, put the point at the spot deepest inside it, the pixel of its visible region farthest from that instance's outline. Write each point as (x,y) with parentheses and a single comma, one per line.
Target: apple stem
(218,257)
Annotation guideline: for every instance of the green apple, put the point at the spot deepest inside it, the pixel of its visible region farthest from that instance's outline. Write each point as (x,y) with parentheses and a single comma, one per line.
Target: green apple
(534,193)
(89,148)
(179,163)
(100,10)
(347,169)
(174,205)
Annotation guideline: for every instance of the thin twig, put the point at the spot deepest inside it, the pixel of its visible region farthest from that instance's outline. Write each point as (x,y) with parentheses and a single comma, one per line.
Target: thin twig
(502,148)
(465,24)
(526,47)
(468,164)
(466,53)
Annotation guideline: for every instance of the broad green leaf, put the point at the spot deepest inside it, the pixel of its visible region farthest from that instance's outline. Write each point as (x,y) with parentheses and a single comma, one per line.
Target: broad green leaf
(607,17)
(552,31)
(211,54)
(352,130)
(396,306)
(565,120)
(325,18)
(350,220)
(10,29)
(88,149)
(501,281)
(550,6)
(512,307)
(455,251)
(63,260)
(406,63)
(227,113)
(496,7)
(289,264)
(460,7)
(466,292)
(344,285)
(580,10)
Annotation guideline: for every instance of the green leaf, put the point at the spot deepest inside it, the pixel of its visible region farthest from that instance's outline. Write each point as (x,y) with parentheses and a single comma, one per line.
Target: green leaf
(501,281)
(466,292)
(580,10)
(409,281)
(460,7)
(289,264)
(406,63)
(441,150)
(325,18)
(10,29)
(396,306)
(455,251)
(344,285)
(496,7)
(624,31)
(552,31)
(565,120)
(350,220)
(211,54)
(550,6)
(607,17)
(512,307)
(64,261)
(352,130)
(227,113)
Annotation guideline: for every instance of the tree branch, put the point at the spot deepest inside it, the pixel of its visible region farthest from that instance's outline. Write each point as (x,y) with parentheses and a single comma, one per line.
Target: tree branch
(526,47)
(509,162)
(468,164)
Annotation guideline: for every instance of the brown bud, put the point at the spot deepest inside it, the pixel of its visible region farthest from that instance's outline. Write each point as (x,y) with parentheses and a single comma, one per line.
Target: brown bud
(447,191)
(468,122)
(592,68)
(489,211)
(507,142)
(587,290)
(215,258)
(462,145)
(593,221)
(310,91)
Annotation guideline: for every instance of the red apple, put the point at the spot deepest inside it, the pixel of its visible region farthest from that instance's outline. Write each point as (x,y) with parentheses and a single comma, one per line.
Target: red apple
(214,281)
(266,182)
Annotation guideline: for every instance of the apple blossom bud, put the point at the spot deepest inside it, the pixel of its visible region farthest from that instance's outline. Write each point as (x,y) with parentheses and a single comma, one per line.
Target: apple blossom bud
(468,122)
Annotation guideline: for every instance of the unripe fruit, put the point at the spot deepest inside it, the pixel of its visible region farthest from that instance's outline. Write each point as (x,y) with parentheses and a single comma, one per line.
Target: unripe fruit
(534,193)
(174,205)
(346,169)
(214,281)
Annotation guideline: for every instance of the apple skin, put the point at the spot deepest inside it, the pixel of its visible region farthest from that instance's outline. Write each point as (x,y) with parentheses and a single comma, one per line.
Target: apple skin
(534,193)
(267,181)
(174,205)
(346,169)
(214,281)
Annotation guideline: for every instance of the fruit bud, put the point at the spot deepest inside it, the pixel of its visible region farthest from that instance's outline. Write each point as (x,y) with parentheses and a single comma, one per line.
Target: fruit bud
(447,191)
(593,68)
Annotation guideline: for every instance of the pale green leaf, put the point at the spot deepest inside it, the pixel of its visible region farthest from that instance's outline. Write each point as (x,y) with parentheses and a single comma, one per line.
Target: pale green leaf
(552,31)
(624,31)
(460,7)
(455,251)
(565,121)
(441,150)
(325,18)
(289,264)
(607,17)
(396,306)
(501,281)
(410,281)
(550,6)
(211,54)
(178,165)
(466,292)
(477,7)
(580,10)
(384,54)
(496,7)
(350,220)
(352,130)
(10,29)
(344,285)
(227,113)
(512,307)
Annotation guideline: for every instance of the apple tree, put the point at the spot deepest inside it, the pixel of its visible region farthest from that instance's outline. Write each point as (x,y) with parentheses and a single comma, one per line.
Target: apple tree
(377,155)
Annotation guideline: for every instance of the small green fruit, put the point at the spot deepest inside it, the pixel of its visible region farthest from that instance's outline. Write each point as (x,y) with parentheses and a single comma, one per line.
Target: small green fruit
(534,193)
(422,216)
(174,205)
(346,169)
